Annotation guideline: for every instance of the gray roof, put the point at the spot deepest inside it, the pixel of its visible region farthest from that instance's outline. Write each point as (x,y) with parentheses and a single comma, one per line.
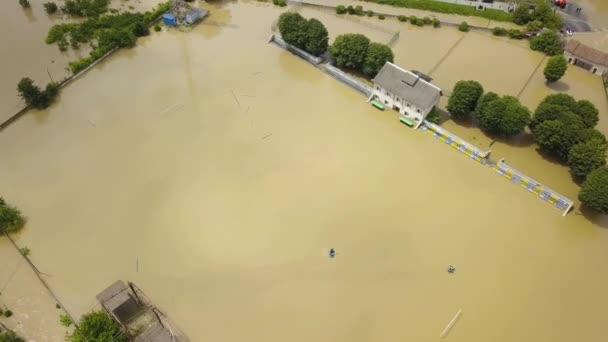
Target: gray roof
(407,85)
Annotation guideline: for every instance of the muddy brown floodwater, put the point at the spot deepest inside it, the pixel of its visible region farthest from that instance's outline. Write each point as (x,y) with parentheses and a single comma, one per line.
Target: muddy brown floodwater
(216,171)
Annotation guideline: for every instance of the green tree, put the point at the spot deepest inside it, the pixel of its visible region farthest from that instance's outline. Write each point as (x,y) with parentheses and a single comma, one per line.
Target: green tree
(521,14)
(483,103)
(587,134)
(85,8)
(24,3)
(551,111)
(587,156)
(11,219)
(140,29)
(293,29)
(349,50)
(377,55)
(464,98)
(503,116)
(555,68)
(547,42)
(316,37)
(340,9)
(535,25)
(33,96)
(464,26)
(587,111)
(9,336)
(556,138)
(99,327)
(594,191)
(561,99)
(50,7)
(544,13)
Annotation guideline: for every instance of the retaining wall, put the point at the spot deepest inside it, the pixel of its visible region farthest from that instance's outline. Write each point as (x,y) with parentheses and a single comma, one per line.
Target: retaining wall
(299,52)
(348,80)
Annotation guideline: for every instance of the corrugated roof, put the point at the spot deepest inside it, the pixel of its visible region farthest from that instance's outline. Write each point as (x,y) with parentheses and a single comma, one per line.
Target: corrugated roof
(407,85)
(586,52)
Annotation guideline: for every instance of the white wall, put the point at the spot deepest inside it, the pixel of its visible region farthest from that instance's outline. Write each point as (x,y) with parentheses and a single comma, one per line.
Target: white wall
(415,114)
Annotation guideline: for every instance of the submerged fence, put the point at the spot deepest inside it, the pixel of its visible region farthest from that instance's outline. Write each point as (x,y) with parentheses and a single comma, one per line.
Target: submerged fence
(459,144)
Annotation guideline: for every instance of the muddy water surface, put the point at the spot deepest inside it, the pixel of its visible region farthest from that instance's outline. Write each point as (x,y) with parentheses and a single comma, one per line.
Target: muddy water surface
(216,171)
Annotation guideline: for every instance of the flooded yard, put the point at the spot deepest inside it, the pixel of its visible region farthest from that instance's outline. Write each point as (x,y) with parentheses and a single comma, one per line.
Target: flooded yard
(216,172)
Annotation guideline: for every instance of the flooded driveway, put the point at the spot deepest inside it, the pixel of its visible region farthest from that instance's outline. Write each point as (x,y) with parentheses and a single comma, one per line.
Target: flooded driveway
(216,172)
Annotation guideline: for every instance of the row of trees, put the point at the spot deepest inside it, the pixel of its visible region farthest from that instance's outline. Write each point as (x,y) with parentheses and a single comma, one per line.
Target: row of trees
(543,13)
(11,219)
(309,35)
(36,97)
(355,51)
(562,127)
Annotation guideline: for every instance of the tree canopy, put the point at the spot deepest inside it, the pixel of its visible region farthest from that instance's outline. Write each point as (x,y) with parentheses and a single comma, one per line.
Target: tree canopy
(97,326)
(547,42)
(521,14)
(587,111)
(464,98)
(309,35)
(594,191)
(316,37)
(34,96)
(11,219)
(503,116)
(555,68)
(587,156)
(350,50)
(545,14)
(556,138)
(377,55)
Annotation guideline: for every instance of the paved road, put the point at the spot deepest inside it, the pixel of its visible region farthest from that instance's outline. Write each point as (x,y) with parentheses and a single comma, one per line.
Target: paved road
(577,22)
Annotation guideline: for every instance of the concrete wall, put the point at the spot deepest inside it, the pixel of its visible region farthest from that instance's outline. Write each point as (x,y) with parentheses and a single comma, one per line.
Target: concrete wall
(409,110)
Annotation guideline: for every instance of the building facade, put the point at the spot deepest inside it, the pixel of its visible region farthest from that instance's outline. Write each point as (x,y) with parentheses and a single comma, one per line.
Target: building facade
(586,57)
(406,92)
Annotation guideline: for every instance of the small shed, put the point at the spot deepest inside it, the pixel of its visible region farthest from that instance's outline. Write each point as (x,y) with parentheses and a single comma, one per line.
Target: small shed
(170,19)
(194,15)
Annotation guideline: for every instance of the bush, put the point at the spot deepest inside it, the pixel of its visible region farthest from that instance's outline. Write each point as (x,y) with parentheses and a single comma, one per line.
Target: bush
(377,55)
(50,7)
(499,31)
(350,9)
(464,99)
(157,28)
(449,8)
(359,10)
(9,336)
(370,13)
(34,96)
(414,20)
(515,34)
(85,8)
(8,313)
(282,3)
(594,191)
(464,26)
(521,14)
(535,25)
(349,50)
(436,23)
(503,116)
(340,9)
(555,68)
(25,251)
(381,17)
(97,326)
(140,29)
(544,13)
(434,116)
(65,320)
(402,18)
(24,3)
(427,21)
(587,156)
(11,219)
(547,42)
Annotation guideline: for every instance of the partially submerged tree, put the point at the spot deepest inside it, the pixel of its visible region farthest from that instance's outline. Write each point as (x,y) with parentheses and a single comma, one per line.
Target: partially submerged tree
(33,96)
(50,7)
(464,98)
(24,3)
(521,14)
(97,326)
(587,111)
(11,219)
(464,26)
(587,156)
(544,13)
(555,68)
(594,191)
(9,336)
(547,42)
(308,35)
(377,55)
(316,37)
(349,50)
(503,116)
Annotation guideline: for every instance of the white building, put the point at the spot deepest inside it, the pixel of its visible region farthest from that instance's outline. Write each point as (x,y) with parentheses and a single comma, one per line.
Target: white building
(406,92)
(589,50)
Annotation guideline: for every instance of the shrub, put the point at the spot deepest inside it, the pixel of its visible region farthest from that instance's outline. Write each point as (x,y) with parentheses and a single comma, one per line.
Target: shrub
(503,116)
(555,68)
(544,13)
(594,191)
(50,7)
(499,31)
(25,251)
(587,156)
(464,26)
(436,23)
(65,320)
(340,9)
(282,3)
(359,10)
(547,42)
(464,98)
(350,9)
(414,20)
(556,138)
(24,3)
(535,25)
(349,50)
(515,34)
(377,55)
(157,28)
(381,17)
(402,18)
(521,14)
(427,21)
(8,313)
(434,116)
(97,326)
(9,336)
(370,13)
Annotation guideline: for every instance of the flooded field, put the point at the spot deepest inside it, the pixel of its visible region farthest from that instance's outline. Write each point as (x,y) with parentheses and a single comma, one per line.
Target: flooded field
(216,171)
